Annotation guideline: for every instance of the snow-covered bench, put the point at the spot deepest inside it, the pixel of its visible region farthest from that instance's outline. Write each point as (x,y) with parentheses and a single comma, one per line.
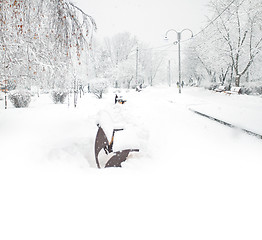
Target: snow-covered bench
(220,89)
(119,99)
(234,90)
(139,88)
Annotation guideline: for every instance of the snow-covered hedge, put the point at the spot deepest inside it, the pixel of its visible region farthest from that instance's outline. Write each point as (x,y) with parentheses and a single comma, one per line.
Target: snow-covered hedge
(251,89)
(58,96)
(214,86)
(98,86)
(20,98)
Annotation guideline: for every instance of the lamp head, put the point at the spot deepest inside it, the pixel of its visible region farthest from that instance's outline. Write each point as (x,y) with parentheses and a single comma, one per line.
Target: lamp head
(166,38)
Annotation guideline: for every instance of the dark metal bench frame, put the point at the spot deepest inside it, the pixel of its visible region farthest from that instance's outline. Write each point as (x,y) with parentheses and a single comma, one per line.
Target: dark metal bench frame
(102,142)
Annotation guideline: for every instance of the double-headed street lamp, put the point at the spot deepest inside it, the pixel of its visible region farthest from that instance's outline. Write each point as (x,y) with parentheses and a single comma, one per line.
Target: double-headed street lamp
(179,55)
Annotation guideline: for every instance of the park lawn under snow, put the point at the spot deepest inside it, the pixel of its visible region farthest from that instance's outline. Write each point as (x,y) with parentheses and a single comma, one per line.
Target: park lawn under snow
(192,179)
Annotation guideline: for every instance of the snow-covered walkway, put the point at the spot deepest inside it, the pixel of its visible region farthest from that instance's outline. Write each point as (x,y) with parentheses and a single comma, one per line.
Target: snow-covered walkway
(192,179)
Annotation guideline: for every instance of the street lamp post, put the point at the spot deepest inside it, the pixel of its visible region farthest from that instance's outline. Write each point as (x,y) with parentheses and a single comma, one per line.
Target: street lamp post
(179,51)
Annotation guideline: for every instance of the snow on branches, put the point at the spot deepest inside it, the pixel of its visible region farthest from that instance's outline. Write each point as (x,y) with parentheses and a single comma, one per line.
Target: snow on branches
(41,41)
(229,49)
(98,86)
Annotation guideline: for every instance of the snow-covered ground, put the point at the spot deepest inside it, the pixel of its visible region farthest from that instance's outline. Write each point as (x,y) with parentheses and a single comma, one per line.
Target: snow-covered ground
(192,179)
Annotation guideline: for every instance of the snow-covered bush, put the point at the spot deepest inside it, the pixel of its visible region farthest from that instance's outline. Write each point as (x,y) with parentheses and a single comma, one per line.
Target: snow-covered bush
(246,90)
(251,90)
(58,96)
(98,86)
(211,86)
(258,90)
(20,98)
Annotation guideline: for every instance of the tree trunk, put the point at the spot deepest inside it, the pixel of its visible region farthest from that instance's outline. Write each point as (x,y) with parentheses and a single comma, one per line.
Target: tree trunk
(237,80)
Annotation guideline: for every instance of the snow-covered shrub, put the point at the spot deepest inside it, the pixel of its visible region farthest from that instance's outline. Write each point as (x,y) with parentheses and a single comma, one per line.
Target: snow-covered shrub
(58,96)
(212,86)
(98,86)
(20,98)
(246,90)
(252,88)
(257,90)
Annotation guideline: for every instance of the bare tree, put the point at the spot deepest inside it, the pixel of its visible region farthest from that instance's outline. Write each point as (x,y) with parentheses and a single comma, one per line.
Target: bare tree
(240,31)
(229,46)
(98,87)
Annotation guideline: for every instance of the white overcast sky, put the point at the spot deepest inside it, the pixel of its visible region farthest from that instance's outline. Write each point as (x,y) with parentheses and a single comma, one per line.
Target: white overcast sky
(146,19)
